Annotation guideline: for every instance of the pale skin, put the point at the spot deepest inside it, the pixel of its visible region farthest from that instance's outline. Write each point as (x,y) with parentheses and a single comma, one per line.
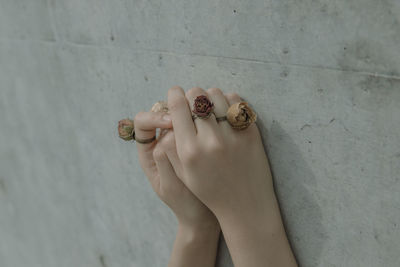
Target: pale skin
(213,178)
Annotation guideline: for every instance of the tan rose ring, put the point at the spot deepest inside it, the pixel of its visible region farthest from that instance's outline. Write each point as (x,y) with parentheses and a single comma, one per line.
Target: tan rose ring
(126,131)
(240,116)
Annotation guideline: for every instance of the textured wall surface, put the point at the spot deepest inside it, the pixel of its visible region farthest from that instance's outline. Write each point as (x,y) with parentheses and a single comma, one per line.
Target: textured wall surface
(323,75)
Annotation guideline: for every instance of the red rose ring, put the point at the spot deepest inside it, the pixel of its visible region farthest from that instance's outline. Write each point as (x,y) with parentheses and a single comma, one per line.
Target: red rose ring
(202,107)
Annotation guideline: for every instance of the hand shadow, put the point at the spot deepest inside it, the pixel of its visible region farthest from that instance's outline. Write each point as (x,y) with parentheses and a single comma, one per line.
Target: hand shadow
(293,179)
(300,211)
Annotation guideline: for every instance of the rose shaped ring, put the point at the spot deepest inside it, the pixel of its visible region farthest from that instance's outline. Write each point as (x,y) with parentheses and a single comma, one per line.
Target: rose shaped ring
(241,115)
(126,131)
(202,107)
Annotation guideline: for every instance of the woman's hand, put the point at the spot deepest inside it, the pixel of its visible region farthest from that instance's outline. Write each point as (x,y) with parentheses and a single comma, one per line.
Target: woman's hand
(198,231)
(228,171)
(156,158)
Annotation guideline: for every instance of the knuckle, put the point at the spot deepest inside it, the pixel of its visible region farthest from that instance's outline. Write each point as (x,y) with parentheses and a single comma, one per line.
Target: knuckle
(214,90)
(167,192)
(163,194)
(194,90)
(169,140)
(175,88)
(189,155)
(254,134)
(139,116)
(176,103)
(216,147)
(158,154)
(235,139)
(238,142)
(161,191)
(246,138)
(235,96)
(155,115)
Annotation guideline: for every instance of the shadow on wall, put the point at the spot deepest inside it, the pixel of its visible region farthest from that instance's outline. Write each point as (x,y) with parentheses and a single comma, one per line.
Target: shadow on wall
(300,211)
(224,258)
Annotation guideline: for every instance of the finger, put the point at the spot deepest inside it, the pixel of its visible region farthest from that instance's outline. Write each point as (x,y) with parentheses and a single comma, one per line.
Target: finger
(167,142)
(146,124)
(232,98)
(168,181)
(220,105)
(204,126)
(182,122)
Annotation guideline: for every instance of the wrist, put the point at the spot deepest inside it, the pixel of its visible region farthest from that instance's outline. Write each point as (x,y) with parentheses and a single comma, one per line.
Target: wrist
(257,233)
(250,205)
(199,222)
(195,245)
(199,231)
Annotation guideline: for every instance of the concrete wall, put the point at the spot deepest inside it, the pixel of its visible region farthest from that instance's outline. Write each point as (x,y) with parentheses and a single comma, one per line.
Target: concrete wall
(323,75)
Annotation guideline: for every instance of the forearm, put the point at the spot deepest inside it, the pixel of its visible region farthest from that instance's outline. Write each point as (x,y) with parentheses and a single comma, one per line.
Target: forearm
(195,246)
(257,238)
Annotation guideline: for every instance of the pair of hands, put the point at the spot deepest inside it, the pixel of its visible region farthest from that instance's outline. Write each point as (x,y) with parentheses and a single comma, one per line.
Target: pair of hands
(213,176)
(210,158)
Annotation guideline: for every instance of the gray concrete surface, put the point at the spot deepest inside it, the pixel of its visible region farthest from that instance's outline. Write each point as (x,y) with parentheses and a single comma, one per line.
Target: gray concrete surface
(324,77)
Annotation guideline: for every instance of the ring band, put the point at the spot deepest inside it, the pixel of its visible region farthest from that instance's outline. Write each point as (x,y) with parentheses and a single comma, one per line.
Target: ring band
(223,118)
(219,119)
(145,141)
(194,116)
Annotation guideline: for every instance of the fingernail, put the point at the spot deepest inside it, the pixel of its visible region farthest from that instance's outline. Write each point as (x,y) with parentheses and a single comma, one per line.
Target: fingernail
(167,117)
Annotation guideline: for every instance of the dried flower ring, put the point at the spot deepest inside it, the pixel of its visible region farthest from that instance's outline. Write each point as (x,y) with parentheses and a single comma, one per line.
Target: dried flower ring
(161,106)
(126,130)
(240,116)
(202,107)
